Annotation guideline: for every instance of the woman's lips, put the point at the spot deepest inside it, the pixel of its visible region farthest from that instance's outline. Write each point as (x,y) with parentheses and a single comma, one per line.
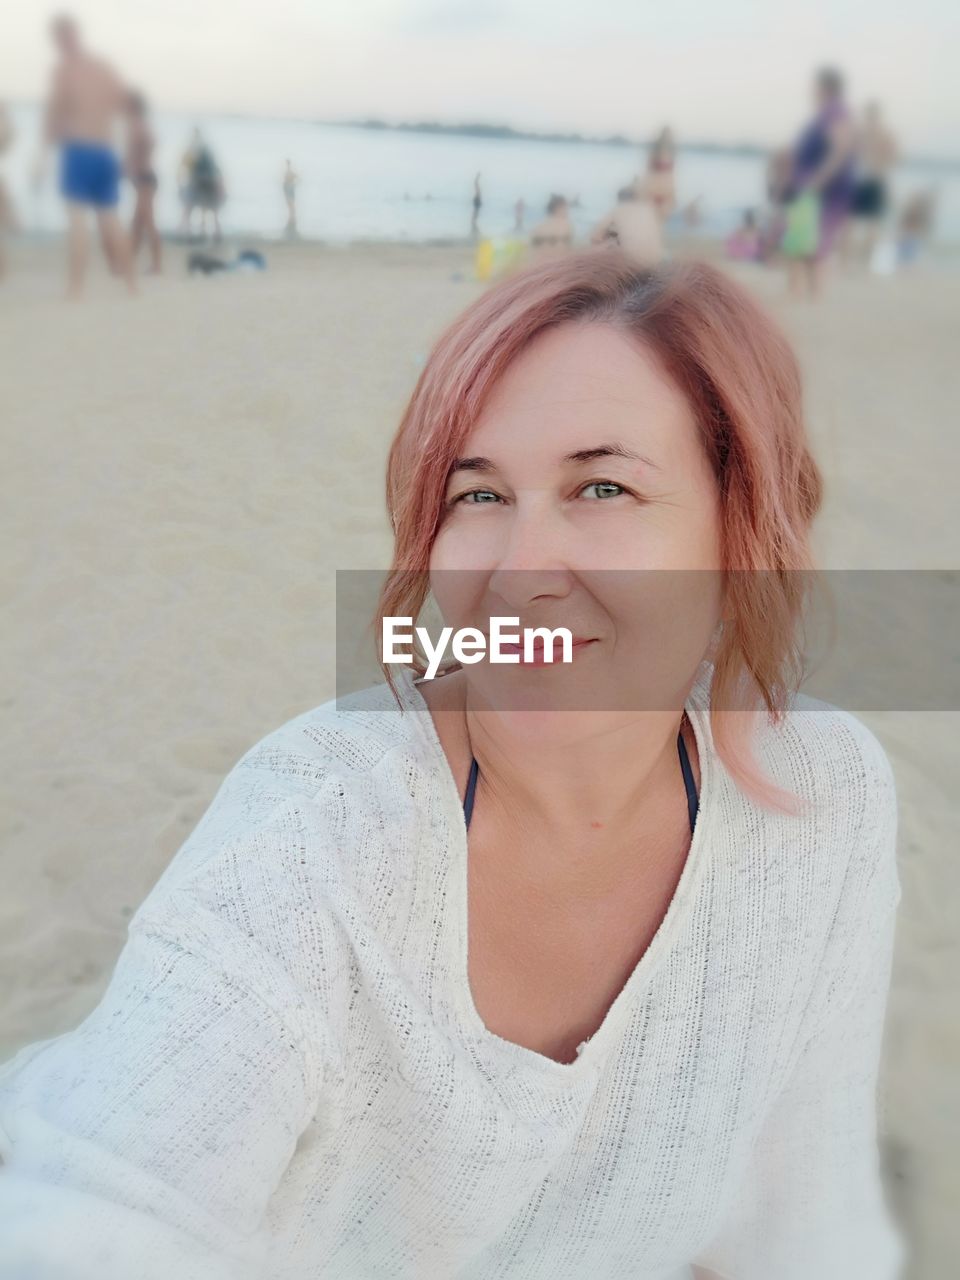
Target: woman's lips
(539,659)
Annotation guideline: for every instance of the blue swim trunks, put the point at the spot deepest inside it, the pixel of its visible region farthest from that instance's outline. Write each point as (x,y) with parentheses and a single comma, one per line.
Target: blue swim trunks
(89,174)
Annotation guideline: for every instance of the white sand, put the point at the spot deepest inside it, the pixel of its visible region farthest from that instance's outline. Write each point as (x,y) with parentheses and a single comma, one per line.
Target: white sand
(164,456)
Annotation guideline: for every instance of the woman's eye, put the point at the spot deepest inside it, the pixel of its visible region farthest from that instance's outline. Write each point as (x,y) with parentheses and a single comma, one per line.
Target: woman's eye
(603,488)
(475,496)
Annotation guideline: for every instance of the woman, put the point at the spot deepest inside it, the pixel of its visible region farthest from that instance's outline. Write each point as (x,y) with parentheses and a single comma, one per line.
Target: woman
(140,171)
(453,979)
(823,173)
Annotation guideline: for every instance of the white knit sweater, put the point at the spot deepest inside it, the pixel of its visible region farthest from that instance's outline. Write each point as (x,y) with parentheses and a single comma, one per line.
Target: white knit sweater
(287,1076)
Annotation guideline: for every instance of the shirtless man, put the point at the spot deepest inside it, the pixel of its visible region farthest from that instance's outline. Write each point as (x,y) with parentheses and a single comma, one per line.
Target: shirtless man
(877,152)
(85,96)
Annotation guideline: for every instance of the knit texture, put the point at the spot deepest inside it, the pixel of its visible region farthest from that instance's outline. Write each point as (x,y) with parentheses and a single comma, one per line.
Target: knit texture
(287,1076)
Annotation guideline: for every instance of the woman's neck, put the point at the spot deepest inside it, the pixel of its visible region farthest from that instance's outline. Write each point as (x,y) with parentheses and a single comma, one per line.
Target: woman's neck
(584,804)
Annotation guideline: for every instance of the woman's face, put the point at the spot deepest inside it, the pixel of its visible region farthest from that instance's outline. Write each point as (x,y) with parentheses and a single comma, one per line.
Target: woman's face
(582,499)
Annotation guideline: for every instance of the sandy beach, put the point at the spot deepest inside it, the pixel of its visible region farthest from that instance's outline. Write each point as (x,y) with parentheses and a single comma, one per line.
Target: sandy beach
(186,471)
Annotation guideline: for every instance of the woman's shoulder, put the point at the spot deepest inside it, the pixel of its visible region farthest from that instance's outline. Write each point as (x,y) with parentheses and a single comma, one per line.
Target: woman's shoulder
(310,775)
(847,875)
(343,738)
(833,759)
(844,845)
(258,881)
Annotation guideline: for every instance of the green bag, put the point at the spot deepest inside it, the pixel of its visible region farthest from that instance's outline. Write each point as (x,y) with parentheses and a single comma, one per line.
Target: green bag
(801,236)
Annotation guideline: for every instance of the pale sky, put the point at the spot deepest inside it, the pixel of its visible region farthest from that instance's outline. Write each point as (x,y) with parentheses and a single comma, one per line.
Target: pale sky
(726,70)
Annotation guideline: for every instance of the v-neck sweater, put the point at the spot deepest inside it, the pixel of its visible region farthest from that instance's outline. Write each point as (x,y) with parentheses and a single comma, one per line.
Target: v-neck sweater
(287,1077)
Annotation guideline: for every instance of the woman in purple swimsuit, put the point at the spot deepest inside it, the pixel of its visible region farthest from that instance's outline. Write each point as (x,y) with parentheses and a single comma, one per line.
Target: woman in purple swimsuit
(823,164)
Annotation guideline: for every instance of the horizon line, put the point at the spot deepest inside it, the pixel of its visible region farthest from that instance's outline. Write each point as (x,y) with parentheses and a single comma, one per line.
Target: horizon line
(506,132)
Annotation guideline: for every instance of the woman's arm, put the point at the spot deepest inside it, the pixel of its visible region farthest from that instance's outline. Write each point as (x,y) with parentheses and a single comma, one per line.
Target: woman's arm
(811,1201)
(148,1141)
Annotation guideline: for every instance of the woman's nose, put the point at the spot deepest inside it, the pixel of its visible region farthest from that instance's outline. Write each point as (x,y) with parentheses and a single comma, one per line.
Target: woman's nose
(532,558)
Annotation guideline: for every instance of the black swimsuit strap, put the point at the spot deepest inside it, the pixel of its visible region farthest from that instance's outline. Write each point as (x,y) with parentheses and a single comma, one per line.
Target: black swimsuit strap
(688,782)
(471,790)
(693,800)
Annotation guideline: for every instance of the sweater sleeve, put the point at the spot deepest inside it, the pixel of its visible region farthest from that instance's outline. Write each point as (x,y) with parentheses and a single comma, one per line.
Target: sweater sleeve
(148,1141)
(811,1203)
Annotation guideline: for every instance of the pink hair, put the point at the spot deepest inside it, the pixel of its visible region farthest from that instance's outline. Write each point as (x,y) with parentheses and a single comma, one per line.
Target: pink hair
(742,381)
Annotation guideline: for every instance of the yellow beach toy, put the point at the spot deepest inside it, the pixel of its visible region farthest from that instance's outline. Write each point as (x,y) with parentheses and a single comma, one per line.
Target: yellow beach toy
(483,260)
(497,257)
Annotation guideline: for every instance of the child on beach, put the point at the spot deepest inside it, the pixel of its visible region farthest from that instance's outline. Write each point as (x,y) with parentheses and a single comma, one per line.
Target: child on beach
(743,245)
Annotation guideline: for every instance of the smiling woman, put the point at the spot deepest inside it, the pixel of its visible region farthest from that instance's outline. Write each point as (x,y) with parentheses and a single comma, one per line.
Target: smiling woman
(641,427)
(526,971)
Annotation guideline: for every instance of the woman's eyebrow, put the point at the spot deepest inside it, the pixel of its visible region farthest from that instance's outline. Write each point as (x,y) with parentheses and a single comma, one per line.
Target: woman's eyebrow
(472,464)
(609,451)
(579,455)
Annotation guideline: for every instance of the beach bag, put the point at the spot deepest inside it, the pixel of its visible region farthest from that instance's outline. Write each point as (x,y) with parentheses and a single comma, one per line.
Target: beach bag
(801,235)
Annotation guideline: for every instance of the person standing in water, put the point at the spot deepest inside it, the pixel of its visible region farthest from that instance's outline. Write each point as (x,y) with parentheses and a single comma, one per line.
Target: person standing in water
(290,182)
(140,171)
(86,96)
(477,204)
(823,166)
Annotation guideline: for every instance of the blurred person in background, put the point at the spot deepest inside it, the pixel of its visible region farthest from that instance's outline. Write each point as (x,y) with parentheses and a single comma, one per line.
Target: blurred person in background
(634,226)
(692,213)
(915,225)
(743,244)
(773,221)
(86,97)
(660,182)
(477,205)
(207,191)
(876,154)
(141,173)
(555,231)
(519,211)
(185,182)
(290,181)
(8,217)
(821,184)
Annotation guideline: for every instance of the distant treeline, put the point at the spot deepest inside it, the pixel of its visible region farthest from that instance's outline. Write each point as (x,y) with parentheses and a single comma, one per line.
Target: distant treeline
(503,131)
